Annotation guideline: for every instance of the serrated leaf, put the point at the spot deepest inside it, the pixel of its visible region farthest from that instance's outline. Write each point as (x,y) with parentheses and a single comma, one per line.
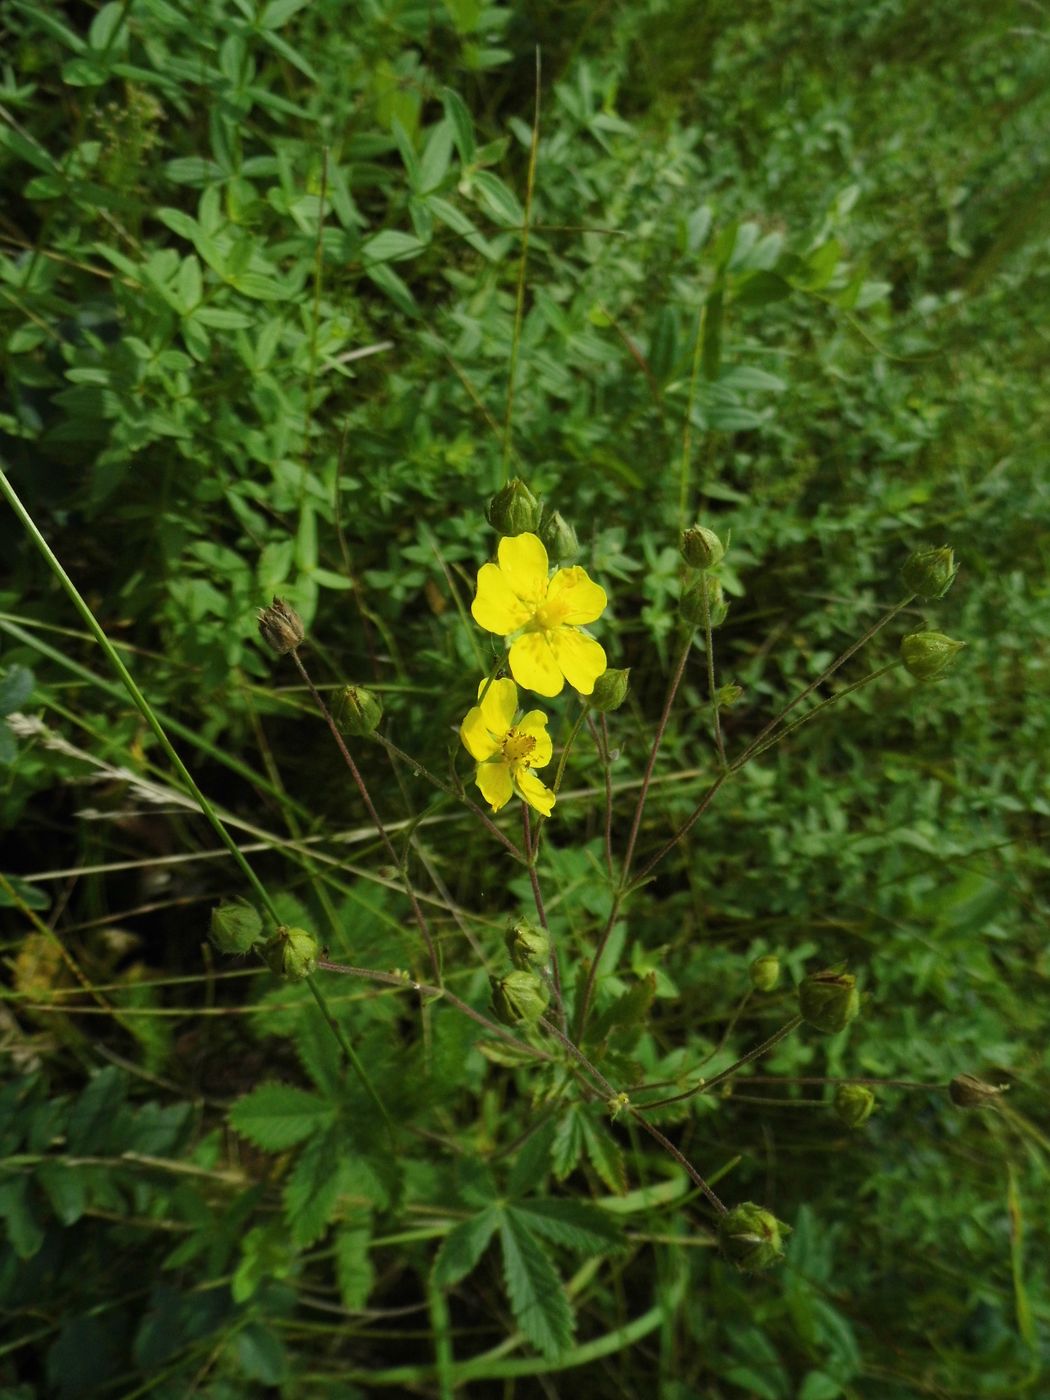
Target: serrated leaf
(312,1189)
(261,1354)
(604,1155)
(353,1265)
(629,1009)
(567,1143)
(537,1297)
(501,1052)
(464,1245)
(532,1163)
(574,1224)
(276,1116)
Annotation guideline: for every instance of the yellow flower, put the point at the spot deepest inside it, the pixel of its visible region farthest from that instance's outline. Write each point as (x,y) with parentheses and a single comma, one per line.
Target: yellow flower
(506,751)
(516,596)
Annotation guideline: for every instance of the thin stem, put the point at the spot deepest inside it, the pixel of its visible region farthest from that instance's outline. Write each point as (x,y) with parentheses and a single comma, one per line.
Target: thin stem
(139,700)
(541,912)
(730,1028)
(359,781)
(661,729)
(560,774)
(351,1056)
(709,652)
(601,743)
(391,979)
(706,1085)
(417,767)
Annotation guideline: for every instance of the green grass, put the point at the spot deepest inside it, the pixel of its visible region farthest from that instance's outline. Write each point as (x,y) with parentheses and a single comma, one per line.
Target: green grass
(285,295)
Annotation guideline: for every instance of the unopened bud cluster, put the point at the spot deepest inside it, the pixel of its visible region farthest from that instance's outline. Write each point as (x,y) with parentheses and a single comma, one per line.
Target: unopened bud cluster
(703,602)
(514,510)
(290,952)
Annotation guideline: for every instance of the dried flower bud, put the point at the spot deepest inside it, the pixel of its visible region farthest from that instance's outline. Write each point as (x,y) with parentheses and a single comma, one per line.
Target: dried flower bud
(751,1237)
(927,655)
(514,510)
(281,627)
(765,972)
(828,1000)
(967,1091)
(853,1104)
(610,690)
(292,953)
(527,945)
(235,928)
(558,537)
(691,604)
(357,711)
(701,548)
(520,998)
(929,572)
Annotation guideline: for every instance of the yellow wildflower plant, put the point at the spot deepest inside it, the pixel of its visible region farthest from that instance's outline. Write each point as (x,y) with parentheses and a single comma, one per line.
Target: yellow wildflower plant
(508,751)
(516,596)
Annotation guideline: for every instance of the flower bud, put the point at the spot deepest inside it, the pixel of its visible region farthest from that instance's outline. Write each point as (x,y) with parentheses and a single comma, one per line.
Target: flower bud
(853,1104)
(281,627)
(765,972)
(292,953)
(701,548)
(967,1091)
(235,928)
(727,695)
(828,1000)
(610,690)
(927,655)
(527,945)
(929,572)
(691,604)
(514,510)
(520,998)
(558,537)
(357,711)
(751,1238)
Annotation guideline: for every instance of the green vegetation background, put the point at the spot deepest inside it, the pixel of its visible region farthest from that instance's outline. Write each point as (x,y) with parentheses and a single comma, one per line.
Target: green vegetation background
(259,270)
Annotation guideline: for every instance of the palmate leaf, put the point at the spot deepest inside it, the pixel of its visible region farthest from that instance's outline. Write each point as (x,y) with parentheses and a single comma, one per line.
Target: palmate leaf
(604,1154)
(464,1246)
(353,1264)
(313,1188)
(537,1298)
(573,1224)
(276,1116)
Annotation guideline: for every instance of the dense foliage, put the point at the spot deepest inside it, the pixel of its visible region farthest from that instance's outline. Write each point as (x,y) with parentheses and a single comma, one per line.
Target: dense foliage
(272,324)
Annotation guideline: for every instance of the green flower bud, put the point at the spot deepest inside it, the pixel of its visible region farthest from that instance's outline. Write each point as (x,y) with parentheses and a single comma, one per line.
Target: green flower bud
(828,1000)
(701,548)
(765,972)
(357,711)
(514,510)
(929,572)
(292,953)
(967,1091)
(751,1238)
(519,999)
(726,696)
(610,690)
(854,1104)
(927,655)
(691,604)
(558,536)
(281,627)
(527,945)
(235,928)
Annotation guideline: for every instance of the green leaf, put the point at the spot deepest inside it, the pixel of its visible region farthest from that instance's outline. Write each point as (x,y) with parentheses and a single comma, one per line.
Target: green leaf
(604,1154)
(629,1009)
(96,1120)
(574,1224)
(276,1116)
(391,245)
(567,1143)
(311,1192)
(16,686)
(711,338)
(818,1385)
(261,1354)
(761,288)
(353,1265)
(63,1186)
(23,1229)
(387,280)
(1022,1304)
(501,202)
(532,1163)
(537,1297)
(462,124)
(464,1245)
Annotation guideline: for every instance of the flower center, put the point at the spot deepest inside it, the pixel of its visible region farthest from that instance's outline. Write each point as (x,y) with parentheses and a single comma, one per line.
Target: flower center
(548,616)
(517,747)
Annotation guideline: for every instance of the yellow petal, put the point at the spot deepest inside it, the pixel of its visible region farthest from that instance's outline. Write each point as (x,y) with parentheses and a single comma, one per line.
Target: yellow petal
(575,596)
(474,732)
(494,781)
(523,563)
(499,705)
(496,607)
(532,664)
(579,657)
(533,791)
(534,725)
